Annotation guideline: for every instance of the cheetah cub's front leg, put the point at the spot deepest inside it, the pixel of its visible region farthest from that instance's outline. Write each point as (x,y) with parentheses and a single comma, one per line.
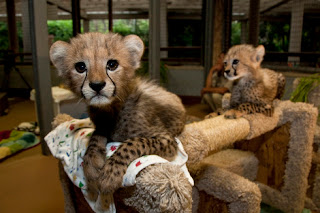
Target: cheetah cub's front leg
(233,114)
(94,160)
(116,166)
(249,108)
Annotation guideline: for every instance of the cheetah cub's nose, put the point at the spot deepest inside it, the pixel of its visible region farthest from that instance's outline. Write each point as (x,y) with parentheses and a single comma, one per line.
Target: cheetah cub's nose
(227,71)
(97,86)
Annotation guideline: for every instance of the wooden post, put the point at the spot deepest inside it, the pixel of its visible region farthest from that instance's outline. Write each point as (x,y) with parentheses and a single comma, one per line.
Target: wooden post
(227,24)
(41,68)
(76,24)
(163,28)
(296,26)
(110,15)
(26,29)
(244,31)
(154,39)
(12,27)
(219,30)
(254,18)
(208,18)
(86,25)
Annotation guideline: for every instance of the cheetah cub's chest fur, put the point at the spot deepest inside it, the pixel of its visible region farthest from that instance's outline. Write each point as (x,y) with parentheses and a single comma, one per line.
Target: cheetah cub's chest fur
(255,88)
(100,68)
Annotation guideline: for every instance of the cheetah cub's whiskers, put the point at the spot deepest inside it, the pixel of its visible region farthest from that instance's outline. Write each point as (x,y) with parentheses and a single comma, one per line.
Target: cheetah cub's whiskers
(100,68)
(254,88)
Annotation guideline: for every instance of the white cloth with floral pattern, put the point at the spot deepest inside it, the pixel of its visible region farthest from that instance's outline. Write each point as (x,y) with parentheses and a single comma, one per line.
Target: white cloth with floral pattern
(69,141)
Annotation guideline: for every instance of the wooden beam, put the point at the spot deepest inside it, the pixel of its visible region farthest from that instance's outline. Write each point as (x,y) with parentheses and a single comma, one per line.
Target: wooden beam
(59,7)
(64,9)
(12,27)
(110,15)
(154,39)
(41,67)
(274,6)
(76,24)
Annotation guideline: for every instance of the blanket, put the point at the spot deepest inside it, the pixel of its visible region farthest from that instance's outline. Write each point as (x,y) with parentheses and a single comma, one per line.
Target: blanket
(12,141)
(69,141)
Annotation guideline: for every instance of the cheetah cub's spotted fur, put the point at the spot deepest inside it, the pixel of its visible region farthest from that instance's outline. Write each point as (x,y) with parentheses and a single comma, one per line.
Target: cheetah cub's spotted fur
(255,88)
(100,68)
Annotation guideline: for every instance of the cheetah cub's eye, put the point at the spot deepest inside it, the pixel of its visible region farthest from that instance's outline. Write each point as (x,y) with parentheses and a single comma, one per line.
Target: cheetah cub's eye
(80,67)
(235,61)
(112,65)
(225,63)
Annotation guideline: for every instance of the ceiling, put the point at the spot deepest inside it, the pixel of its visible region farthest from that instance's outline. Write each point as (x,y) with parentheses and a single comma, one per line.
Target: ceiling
(97,9)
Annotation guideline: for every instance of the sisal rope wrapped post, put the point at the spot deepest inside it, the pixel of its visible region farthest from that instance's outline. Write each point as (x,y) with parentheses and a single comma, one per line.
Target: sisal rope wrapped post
(211,135)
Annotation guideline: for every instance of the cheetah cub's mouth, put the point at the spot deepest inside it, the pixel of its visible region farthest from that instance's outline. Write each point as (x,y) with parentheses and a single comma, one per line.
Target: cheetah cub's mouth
(233,76)
(99,100)
(97,93)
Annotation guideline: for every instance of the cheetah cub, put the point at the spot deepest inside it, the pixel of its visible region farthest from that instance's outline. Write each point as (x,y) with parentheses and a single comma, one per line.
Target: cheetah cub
(254,88)
(100,68)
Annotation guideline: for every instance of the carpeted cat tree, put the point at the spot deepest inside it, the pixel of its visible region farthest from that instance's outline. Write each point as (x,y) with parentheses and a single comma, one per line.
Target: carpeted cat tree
(234,163)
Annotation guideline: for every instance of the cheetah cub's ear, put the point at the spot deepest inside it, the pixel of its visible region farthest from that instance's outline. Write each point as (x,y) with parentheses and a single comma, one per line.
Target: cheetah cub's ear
(257,58)
(58,54)
(136,47)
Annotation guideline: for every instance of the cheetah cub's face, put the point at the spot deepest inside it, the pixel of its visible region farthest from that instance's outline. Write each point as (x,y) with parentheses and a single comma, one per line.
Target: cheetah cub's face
(242,60)
(96,66)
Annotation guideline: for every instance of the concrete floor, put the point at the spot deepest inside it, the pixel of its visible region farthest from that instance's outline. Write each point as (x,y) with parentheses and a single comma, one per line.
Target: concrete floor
(29,181)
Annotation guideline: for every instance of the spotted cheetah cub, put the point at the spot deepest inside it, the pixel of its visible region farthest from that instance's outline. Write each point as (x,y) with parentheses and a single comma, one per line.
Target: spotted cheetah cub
(254,88)
(100,68)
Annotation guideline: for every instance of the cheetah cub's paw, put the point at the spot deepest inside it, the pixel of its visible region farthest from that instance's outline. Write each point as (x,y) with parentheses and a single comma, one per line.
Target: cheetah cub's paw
(211,115)
(233,114)
(111,176)
(219,111)
(268,110)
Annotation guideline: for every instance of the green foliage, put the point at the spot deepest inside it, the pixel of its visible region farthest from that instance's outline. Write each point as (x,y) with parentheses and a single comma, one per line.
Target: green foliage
(184,33)
(275,36)
(99,26)
(124,27)
(4,41)
(265,208)
(144,71)
(61,29)
(235,33)
(139,27)
(4,36)
(142,29)
(310,36)
(306,84)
